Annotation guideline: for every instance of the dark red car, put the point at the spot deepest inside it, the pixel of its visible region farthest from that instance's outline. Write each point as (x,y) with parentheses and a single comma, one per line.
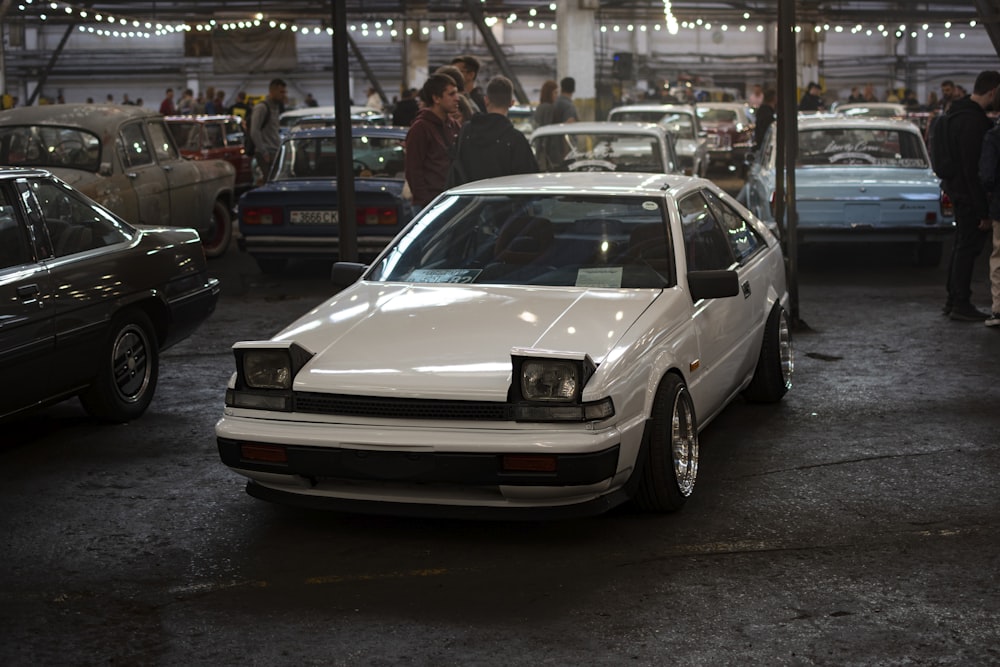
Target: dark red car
(214,137)
(730,131)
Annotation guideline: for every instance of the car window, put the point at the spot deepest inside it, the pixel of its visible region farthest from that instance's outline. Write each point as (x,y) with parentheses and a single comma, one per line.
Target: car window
(214,136)
(133,147)
(316,157)
(866,146)
(75,224)
(14,248)
(637,116)
(717,115)
(234,132)
(186,135)
(705,244)
(586,151)
(553,239)
(743,238)
(680,124)
(162,143)
(49,146)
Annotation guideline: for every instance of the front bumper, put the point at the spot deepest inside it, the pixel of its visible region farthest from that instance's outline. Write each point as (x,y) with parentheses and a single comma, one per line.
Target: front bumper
(434,471)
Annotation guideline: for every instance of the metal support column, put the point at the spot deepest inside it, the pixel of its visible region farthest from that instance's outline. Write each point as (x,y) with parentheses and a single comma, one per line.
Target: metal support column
(989,16)
(345,154)
(367,70)
(788,147)
(474,7)
(51,64)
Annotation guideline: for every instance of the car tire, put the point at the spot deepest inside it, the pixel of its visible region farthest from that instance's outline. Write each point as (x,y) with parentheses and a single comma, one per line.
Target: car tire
(129,368)
(670,467)
(218,231)
(773,376)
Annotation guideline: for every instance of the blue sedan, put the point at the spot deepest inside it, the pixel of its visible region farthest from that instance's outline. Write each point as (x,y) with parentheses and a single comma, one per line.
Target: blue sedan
(858,180)
(295,214)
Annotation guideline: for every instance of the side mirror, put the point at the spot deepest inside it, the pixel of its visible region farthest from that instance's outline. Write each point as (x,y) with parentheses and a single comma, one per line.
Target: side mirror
(105,169)
(713,284)
(345,274)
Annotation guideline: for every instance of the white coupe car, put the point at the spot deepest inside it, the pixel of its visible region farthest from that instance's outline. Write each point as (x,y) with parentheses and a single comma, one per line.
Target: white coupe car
(542,345)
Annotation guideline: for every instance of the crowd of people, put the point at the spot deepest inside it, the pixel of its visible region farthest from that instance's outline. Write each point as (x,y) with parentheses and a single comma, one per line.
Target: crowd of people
(460,133)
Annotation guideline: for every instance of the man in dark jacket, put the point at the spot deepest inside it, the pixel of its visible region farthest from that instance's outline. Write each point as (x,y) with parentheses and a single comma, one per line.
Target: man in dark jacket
(489,145)
(967,124)
(989,174)
(765,116)
(811,100)
(429,140)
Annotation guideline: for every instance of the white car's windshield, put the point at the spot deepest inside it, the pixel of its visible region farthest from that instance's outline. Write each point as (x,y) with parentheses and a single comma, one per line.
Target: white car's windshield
(544,239)
(838,146)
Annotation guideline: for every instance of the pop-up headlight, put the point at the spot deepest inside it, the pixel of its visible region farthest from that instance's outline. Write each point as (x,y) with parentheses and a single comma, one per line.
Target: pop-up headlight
(265,371)
(550,388)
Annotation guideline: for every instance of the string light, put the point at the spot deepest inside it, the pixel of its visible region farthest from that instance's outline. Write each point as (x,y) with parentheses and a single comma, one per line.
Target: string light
(129,28)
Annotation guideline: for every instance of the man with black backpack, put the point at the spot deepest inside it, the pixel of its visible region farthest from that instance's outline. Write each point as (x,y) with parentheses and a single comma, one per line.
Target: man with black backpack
(956,155)
(489,145)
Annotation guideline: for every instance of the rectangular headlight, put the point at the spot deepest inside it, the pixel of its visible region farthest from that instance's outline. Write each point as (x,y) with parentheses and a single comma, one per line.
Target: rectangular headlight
(549,388)
(268,365)
(550,380)
(267,369)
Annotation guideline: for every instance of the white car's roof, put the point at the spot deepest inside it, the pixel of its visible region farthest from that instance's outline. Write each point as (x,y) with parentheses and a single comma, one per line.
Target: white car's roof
(666,108)
(869,122)
(325,111)
(600,127)
(873,105)
(600,183)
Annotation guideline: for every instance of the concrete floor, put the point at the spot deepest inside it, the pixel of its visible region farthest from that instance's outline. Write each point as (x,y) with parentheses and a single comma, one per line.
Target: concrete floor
(855,523)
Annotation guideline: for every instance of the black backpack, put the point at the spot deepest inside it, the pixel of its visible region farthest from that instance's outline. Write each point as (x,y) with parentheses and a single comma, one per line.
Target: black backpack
(943,159)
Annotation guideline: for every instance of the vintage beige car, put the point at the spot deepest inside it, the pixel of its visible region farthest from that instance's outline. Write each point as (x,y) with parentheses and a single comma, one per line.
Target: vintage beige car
(124,158)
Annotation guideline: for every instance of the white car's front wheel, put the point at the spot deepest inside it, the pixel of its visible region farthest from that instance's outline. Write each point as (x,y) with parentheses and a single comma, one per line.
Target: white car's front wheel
(671,464)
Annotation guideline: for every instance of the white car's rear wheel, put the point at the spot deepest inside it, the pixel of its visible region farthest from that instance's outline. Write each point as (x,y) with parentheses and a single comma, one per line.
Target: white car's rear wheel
(671,466)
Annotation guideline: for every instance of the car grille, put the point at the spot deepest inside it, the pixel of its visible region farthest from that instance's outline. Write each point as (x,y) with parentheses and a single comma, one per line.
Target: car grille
(401,408)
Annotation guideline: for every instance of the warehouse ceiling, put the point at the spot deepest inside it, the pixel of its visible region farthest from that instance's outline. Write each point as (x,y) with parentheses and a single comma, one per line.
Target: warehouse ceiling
(833,11)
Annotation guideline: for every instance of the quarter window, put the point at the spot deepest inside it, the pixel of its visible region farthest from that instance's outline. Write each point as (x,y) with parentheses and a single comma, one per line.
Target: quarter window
(743,238)
(705,244)
(14,249)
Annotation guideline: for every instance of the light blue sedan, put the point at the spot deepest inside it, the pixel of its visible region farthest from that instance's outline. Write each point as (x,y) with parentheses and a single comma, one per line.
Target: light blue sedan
(858,180)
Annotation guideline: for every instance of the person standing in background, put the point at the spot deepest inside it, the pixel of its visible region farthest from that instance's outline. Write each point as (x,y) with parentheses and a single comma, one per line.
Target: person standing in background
(756,96)
(167,105)
(547,103)
(265,126)
(966,125)
(429,140)
(765,116)
(489,145)
(989,174)
(469,67)
(406,109)
(565,110)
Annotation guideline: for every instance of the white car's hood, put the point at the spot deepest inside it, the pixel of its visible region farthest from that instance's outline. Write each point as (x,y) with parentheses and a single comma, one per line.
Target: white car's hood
(437,341)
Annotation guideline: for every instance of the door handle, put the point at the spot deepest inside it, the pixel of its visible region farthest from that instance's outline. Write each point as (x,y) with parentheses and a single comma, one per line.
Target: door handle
(132,175)
(29,294)
(167,167)
(746,289)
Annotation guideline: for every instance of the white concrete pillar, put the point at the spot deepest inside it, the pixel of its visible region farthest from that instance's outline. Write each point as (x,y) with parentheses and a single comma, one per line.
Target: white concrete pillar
(576,51)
